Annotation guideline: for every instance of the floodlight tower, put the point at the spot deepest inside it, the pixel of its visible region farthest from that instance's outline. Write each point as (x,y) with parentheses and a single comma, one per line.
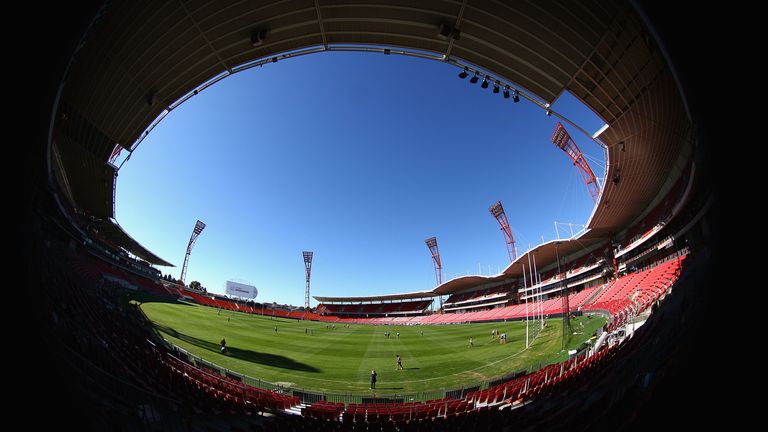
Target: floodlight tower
(308,271)
(563,141)
(432,245)
(497,210)
(199,226)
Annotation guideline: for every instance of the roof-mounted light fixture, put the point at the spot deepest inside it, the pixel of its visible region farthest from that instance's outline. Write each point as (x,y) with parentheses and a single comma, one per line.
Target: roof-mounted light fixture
(258,36)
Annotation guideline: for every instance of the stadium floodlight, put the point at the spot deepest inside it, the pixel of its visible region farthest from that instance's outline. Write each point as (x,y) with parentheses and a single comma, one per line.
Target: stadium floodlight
(258,36)
(432,245)
(474,79)
(199,227)
(516,97)
(151,98)
(506,93)
(497,210)
(496,87)
(464,73)
(485,82)
(563,141)
(308,271)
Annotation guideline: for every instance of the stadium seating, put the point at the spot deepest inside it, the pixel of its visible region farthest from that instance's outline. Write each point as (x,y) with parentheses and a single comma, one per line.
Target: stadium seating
(323,410)
(94,317)
(239,395)
(635,292)
(93,320)
(377,309)
(130,279)
(114,336)
(631,293)
(574,269)
(513,392)
(481,295)
(638,290)
(658,216)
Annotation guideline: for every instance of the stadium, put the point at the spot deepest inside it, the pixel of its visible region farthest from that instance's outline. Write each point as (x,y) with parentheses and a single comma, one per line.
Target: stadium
(601,330)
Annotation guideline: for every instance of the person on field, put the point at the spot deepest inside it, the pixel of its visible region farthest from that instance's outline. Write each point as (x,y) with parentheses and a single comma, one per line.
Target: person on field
(399,362)
(471,343)
(373,378)
(223,346)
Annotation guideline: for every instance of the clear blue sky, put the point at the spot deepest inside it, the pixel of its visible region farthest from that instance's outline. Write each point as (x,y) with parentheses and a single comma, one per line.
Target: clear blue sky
(359,158)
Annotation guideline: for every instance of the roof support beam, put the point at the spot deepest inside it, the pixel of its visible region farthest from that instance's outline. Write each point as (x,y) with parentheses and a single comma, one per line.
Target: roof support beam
(320,22)
(208,42)
(455,26)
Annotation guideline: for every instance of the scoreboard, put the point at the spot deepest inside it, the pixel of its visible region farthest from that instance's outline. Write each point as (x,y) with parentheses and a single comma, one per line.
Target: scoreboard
(238,289)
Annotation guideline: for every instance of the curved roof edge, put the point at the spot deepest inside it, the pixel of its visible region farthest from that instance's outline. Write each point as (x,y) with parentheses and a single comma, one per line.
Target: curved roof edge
(383,297)
(544,255)
(112,231)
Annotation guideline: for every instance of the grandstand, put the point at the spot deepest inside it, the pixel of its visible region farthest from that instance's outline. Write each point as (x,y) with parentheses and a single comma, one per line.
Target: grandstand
(375,306)
(644,260)
(375,309)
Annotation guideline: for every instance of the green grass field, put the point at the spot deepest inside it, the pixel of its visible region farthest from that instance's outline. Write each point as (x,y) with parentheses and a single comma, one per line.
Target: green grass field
(341,360)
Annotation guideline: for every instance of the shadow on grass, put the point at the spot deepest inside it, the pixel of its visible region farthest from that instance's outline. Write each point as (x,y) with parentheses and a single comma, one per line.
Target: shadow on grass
(145,297)
(411,368)
(267,359)
(387,388)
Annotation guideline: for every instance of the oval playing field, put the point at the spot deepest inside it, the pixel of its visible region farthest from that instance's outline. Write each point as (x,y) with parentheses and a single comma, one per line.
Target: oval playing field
(308,354)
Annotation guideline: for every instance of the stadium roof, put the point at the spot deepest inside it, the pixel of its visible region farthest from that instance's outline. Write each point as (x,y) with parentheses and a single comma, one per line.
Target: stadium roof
(80,153)
(115,234)
(384,297)
(142,58)
(544,254)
